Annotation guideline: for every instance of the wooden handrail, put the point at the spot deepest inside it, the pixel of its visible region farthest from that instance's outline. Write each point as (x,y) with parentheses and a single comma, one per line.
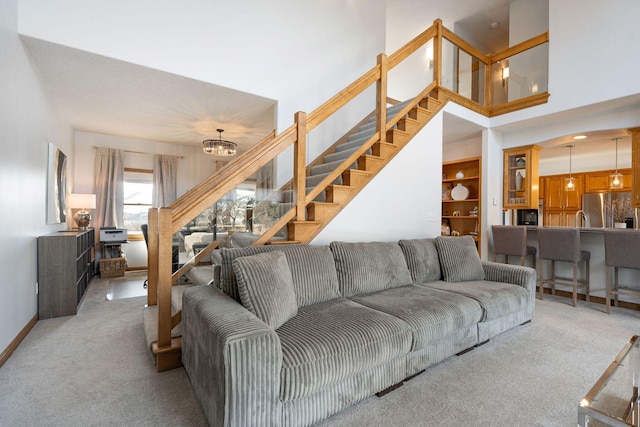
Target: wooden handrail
(323,112)
(405,51)
(229,177)
(460,43)
(520,47)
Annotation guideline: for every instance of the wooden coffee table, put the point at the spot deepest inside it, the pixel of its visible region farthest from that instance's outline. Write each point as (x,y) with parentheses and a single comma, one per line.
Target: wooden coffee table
(613,400)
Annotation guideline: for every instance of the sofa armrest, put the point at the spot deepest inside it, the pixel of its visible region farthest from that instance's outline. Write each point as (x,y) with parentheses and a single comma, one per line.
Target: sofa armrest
(233,359)
(515,274)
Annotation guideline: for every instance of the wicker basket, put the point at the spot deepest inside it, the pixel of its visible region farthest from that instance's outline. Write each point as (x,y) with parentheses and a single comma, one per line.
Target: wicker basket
(112,267)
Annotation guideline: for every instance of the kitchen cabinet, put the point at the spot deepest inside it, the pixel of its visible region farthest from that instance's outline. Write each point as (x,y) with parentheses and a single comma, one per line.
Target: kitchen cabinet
(560,218)
(598,182)
(520,177)
(462,214)
(555,195)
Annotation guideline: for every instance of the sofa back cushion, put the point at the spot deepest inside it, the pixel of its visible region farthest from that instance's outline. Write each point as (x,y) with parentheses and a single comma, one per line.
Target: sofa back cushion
(422,259)
(312,269)
(369,267)
(459,259)
(266,287)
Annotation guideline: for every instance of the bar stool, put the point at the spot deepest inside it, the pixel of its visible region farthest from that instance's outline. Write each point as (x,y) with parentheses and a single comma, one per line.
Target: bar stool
(512,240)
(562,244)
(620,251)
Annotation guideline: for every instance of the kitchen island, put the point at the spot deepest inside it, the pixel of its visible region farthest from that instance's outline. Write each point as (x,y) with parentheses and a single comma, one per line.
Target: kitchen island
(592,240)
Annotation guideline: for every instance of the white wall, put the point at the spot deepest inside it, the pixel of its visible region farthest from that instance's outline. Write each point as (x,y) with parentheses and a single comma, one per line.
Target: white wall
(193,167)
(28,122)
(402,202)
(278,49)
(275,49)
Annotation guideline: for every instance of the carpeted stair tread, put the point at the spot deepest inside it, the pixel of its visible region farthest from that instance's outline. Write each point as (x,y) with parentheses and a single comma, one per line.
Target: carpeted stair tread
(286,197)
(342,155)
(314,180)
(361,134)
(352,144)
(328,167)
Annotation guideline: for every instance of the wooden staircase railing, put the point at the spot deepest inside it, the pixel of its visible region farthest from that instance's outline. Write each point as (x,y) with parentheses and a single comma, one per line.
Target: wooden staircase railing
(388,138)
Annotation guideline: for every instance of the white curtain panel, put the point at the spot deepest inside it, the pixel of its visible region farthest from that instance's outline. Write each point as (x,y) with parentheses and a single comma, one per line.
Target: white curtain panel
(165,171)
(109,187)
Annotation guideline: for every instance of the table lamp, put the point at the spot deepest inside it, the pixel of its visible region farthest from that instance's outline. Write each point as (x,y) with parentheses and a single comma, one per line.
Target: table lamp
(82,202)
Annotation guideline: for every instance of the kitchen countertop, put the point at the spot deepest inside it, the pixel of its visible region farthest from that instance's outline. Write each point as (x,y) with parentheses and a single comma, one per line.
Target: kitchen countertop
(595,230)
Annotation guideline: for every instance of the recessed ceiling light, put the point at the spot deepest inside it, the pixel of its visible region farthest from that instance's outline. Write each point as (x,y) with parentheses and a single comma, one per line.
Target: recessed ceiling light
(580,137)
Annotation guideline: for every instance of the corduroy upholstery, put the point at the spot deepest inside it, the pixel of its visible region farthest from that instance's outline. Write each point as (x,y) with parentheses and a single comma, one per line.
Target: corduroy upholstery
(431,314)
(266,287)
(313,281)
(422,259)
(496,298)
(340,348)
(318,353)
(459,259)
(369,267)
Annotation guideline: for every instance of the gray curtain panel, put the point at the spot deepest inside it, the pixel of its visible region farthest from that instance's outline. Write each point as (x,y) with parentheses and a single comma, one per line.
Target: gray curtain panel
(109,187)
(165,172)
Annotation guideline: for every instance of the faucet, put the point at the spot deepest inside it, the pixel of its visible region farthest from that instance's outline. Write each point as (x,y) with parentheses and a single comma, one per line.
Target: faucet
(583,216)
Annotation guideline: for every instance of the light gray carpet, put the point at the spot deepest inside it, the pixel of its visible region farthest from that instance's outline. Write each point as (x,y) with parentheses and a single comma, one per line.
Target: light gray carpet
(93,369)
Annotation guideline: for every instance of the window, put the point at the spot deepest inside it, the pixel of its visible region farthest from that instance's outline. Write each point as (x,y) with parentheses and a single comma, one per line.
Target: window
(138,193)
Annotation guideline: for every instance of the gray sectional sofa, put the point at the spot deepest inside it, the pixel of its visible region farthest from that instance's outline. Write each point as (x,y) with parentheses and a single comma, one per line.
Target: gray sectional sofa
(291,334)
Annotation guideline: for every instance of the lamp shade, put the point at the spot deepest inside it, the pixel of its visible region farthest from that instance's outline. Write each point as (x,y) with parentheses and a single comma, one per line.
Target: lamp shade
(81,201)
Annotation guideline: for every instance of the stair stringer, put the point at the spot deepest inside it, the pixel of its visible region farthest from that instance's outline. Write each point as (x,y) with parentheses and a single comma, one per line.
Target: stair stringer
(306,231)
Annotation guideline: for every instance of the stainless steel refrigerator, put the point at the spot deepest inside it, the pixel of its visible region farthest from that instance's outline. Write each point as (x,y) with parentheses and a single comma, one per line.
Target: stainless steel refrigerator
(598,208)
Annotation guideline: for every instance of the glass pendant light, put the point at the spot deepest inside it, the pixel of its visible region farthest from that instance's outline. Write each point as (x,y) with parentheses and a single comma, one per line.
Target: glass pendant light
(219,147)
(570,183)
(615,179)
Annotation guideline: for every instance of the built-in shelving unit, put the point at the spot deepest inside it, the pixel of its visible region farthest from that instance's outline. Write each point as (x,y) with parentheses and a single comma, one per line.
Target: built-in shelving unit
(463,215)
(65,268)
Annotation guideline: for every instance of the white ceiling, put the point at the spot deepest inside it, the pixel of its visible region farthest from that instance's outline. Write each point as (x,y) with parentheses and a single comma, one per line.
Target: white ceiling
(104,95)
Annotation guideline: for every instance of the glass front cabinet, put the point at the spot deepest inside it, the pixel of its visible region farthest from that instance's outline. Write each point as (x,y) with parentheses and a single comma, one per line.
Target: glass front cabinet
(521,186)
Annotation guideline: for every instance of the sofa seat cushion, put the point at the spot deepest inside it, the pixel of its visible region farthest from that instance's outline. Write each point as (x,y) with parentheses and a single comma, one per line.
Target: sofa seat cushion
(430,313)
(496,298)
(330,341)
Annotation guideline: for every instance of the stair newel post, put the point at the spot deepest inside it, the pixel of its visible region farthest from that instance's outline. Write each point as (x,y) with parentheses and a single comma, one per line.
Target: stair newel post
(437,53)
(300,166)
(165,248)
(381,98)
(152,257)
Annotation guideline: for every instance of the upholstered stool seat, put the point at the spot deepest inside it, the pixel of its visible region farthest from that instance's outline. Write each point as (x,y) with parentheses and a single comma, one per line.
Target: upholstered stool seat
(621,249)
(512,240)
(562,244)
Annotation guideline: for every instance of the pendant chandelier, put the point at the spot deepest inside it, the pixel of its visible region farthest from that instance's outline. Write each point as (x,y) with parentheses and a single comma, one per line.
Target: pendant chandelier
(615,179)
(219,147)
(570,183)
